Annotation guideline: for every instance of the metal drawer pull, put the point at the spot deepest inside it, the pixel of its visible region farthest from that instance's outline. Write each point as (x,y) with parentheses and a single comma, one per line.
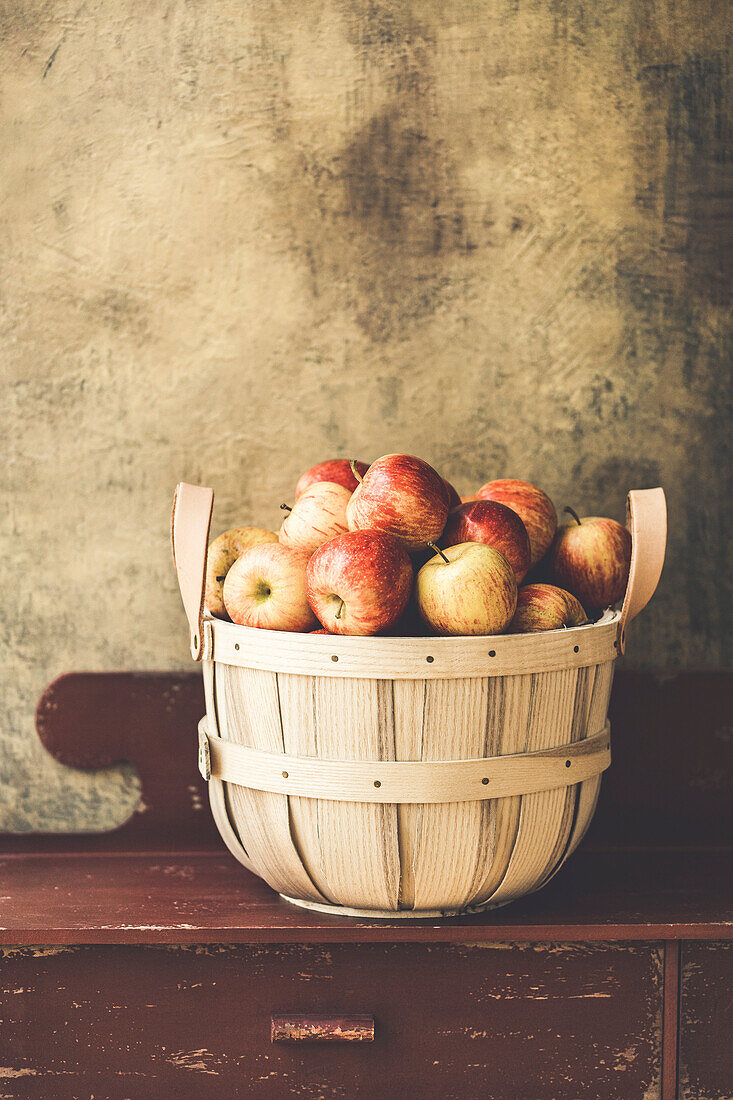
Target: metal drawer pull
(293,1028)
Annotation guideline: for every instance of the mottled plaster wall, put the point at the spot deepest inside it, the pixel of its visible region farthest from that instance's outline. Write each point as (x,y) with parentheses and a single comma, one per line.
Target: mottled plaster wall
(238,237)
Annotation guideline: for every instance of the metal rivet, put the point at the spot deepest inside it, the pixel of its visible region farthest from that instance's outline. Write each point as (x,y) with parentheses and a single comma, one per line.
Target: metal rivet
(285,775)
(334,658)
(485,780)
(567,763)
(576,649)
(377,783)
(236,645)
(430,660)
(492,653)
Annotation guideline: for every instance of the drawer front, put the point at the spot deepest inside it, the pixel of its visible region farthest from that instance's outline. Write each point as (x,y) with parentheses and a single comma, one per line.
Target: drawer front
(449,1021)
(706,1008)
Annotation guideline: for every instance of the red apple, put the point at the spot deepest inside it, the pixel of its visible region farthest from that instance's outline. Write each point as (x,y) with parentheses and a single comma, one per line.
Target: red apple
(591,557)
(532,505)
(405,497)
(334,469)
(467,589)
(266,588)
(360,582)
(545,607)
(223,552)
(453,498)
(496,525)
(321,631)
(319,514)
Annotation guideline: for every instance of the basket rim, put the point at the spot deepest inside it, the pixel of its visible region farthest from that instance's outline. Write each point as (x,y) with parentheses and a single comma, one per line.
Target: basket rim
(392,657)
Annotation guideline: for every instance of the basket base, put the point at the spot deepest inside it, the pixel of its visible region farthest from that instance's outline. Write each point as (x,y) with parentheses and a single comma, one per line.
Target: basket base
(394,914)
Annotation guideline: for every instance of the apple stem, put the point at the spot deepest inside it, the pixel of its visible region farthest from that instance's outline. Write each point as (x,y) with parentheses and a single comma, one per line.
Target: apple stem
(439,551)
(341,607)
(574,514)
(286,508)
(355,471)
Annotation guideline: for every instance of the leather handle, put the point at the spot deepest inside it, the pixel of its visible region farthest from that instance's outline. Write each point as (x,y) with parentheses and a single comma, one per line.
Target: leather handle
(190,524)
(646,520)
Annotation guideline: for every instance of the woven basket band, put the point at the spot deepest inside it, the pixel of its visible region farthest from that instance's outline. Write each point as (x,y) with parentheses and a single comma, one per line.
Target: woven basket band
(412,781)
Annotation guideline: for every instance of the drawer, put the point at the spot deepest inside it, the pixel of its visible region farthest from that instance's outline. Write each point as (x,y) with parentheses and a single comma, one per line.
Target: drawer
(450,1021)
(706,1007)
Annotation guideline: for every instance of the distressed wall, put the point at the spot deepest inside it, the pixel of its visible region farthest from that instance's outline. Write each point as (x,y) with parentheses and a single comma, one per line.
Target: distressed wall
(240,237)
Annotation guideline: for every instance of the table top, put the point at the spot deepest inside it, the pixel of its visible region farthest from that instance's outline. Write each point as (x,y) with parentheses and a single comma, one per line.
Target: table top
(206,897)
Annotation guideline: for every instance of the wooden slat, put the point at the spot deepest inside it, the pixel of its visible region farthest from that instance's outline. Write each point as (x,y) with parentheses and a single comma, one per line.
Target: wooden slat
(408,705)
(451,836)
(217,792)
(300,734)
(579,731)
(540,815)
(510,710)
(590,789)
(418,781)
(414,658)
(249,713)
(359,858)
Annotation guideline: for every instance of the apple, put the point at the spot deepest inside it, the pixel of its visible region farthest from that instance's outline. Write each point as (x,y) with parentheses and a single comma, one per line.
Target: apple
(266,588)
(453,498)
(532,505)
(322,630)
(496,525)
(223,552)
(405,497)
(467,589)
(360,582)
(319,514)
(333,469)
(591,558)
(545,607)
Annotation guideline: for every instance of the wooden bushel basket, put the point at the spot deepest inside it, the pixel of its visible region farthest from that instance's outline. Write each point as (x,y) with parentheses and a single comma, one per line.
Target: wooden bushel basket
(405,776)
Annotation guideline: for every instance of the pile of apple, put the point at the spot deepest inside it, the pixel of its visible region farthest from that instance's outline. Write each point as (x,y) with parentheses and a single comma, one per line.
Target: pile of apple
(392,548)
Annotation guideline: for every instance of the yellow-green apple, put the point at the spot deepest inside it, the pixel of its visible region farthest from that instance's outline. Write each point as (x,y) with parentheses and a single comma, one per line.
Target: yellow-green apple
(453,498)
(467,589)
(266,588)
(545,607)
(223,552)
(319,514)
(405,497)
(532,505)
(590,557)
(333,469)
(496,525)
(360,582)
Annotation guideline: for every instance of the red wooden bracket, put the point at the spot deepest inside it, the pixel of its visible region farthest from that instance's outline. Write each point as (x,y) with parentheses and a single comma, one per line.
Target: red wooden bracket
(95,719)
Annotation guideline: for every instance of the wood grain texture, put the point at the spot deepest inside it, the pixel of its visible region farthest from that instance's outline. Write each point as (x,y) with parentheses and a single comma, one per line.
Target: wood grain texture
(204,897)
(540,815)
(706,999)
(414,658)
(248,709)
(450,854)
(451,1021)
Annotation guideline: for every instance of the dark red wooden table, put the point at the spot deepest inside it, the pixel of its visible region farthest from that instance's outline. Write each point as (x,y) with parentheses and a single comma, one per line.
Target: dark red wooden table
(146,962)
